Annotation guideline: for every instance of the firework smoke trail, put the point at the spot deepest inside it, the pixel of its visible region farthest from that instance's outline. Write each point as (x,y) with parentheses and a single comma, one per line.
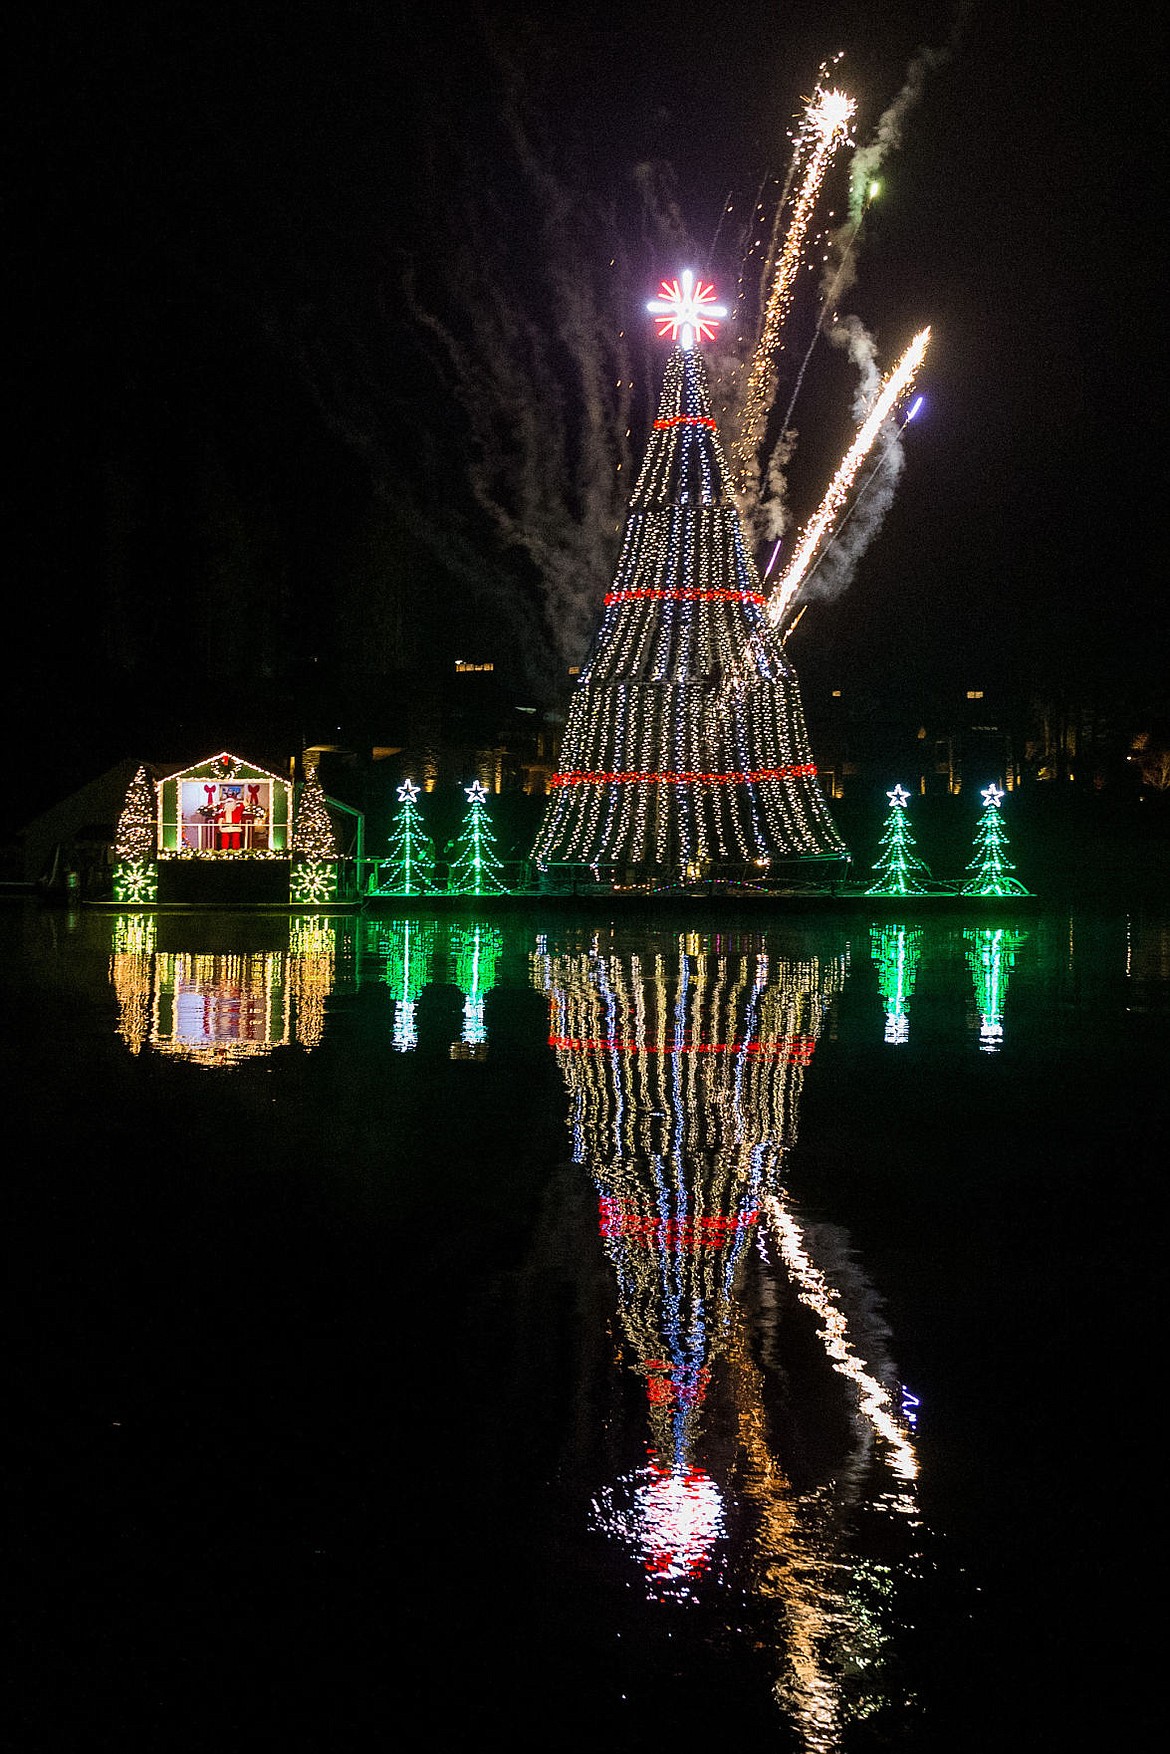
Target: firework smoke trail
(824,128)
(813,534)
(868,160)
(549,405)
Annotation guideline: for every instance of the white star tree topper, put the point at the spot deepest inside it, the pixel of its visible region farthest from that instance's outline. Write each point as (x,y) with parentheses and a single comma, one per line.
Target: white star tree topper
(407,792)
(684,310)
(476,792)
(899,797)
(992,794)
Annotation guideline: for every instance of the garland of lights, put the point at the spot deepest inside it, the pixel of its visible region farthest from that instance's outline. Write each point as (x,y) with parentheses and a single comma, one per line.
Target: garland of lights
(991,868)
(476,868)
(897,867)
(685,748)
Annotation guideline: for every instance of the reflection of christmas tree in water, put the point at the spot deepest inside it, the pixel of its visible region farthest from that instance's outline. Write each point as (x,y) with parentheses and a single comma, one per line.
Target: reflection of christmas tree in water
(408,947)
(475,951)
(219,1009)
(684,1070)
(131,971)
(896,950)
(991,956)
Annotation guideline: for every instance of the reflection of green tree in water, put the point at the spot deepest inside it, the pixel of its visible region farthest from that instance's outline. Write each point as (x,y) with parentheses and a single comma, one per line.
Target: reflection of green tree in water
(408,947)
(476,951)
(684,1069)
(896,951)
(991,956)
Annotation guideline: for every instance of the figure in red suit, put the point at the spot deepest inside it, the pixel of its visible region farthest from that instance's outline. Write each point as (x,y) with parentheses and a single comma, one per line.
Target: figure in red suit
(231,821)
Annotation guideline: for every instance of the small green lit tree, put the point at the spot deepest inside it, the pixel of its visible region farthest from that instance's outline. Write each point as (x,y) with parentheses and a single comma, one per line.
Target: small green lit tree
(475,868)
(135,865)
(897,868)
(409,868)
(313,881)
(991,868)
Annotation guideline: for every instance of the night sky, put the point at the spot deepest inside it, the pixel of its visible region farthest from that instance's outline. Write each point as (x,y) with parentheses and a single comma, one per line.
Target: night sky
(303,362)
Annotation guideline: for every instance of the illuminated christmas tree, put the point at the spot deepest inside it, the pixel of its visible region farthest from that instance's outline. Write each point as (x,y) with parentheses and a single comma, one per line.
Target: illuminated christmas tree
(410,867)
(314,848)
(135,868)
(897,868)
(685,748)
(476,869)
(991,868)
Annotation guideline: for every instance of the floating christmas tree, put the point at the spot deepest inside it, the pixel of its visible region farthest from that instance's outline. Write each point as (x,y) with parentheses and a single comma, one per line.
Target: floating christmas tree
(896,950)
(136,867)
(898,868)
(410,867)
(476,869)
(313,882)
(685,745)
(990,868)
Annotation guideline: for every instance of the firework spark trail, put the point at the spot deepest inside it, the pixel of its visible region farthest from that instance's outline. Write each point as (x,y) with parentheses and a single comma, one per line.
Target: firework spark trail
(814,532)
(824,129)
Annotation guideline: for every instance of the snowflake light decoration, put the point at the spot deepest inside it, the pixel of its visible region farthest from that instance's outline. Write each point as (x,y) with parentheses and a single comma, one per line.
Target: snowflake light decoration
(684,310)
(313,883)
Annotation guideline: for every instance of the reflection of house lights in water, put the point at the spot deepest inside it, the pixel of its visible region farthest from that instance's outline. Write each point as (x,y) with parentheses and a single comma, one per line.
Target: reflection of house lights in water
(675,1519)
(215,1009)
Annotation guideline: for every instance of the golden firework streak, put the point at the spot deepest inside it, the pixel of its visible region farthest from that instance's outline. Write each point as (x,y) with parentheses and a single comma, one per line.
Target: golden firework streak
(811,537)
(826,124)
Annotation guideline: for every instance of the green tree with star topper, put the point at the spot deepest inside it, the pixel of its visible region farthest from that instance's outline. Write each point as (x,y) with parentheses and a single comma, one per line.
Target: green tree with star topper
(475,868)
(991,868)
(409,868)
(898,868)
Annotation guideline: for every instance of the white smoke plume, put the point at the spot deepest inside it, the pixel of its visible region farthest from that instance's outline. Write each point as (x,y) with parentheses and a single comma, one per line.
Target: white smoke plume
(887,137)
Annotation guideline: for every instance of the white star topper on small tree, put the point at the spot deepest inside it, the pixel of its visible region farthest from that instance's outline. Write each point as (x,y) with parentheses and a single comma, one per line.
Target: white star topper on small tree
(899,797)
(992,794)
(407,792)
(476,792)
(684,310)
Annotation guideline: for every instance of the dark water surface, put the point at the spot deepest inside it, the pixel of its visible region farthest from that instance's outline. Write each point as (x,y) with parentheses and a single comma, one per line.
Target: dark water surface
(528,1328)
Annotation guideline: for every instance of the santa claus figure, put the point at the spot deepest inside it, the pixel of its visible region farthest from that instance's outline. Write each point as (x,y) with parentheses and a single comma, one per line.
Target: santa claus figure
(231,822)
